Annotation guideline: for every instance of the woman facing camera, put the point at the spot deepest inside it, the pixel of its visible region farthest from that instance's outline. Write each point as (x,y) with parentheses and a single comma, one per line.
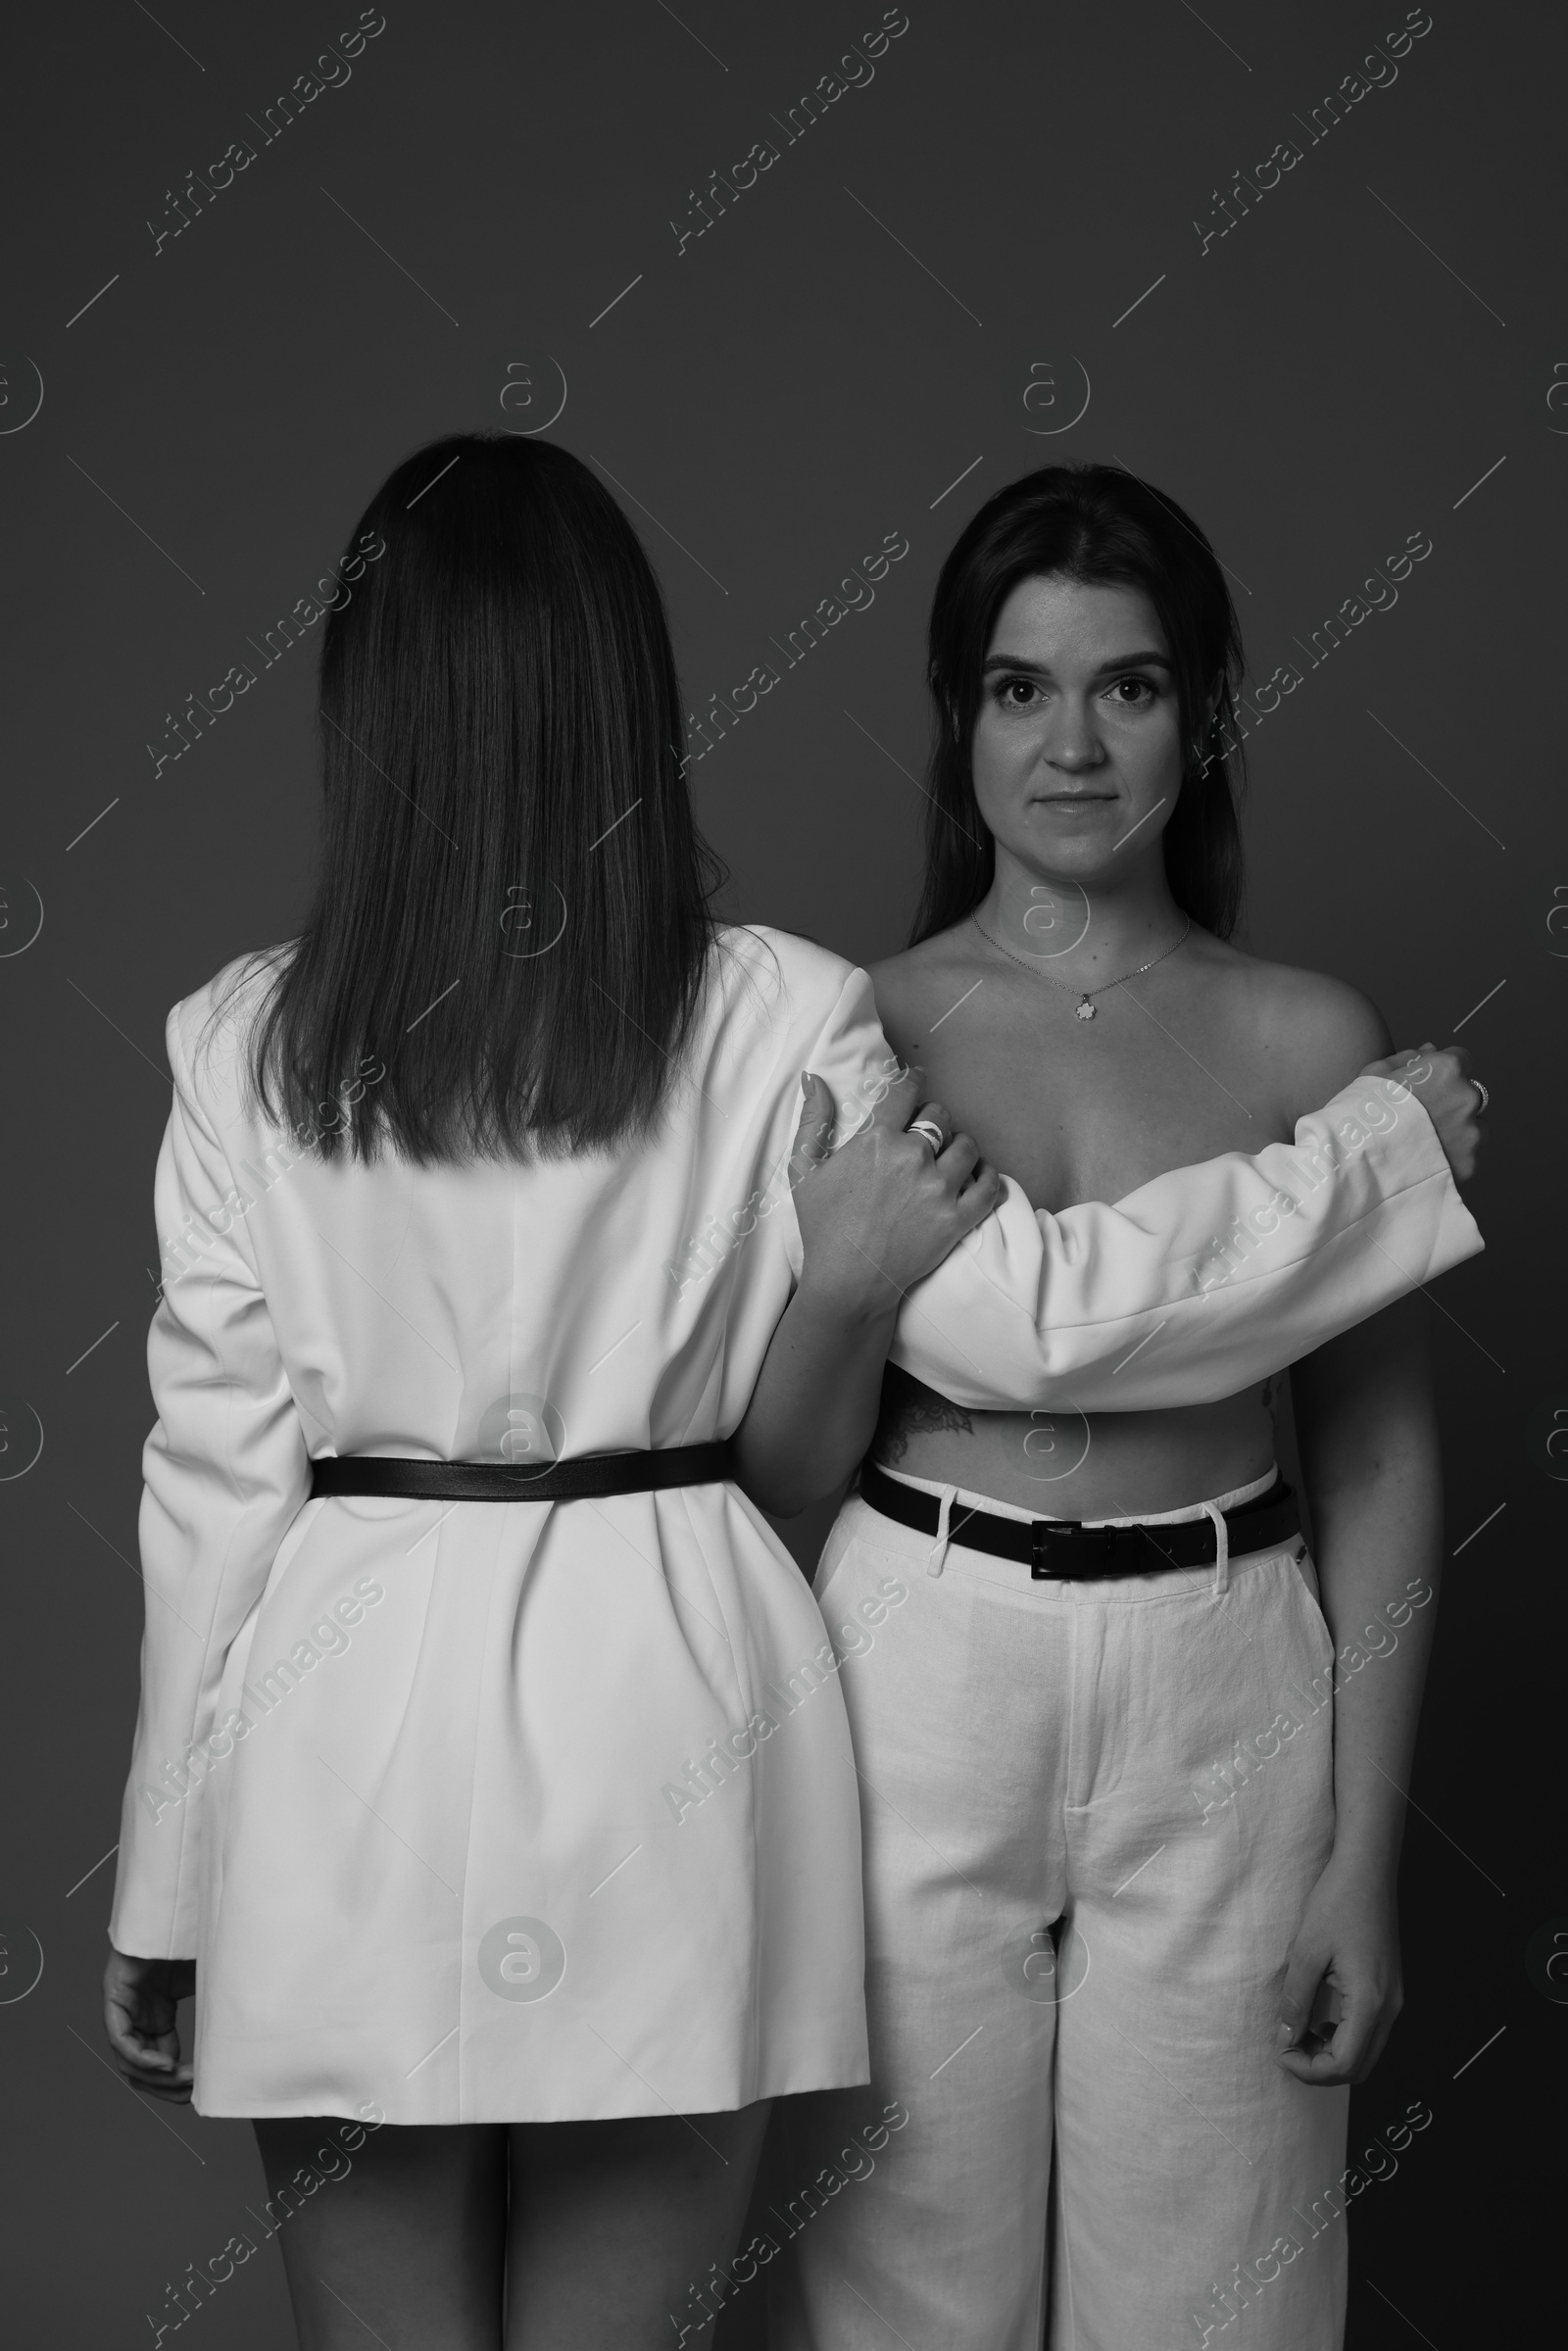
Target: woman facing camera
(1130,1863)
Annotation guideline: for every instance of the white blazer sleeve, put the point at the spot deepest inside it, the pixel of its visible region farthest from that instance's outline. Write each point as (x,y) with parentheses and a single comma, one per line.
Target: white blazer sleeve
(226,1472)
(1200,1283)
(1191,1288)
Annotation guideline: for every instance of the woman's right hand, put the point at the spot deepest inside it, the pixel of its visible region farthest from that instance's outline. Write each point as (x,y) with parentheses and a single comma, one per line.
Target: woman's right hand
(1449,1097)
(141,2000)
(883,1210)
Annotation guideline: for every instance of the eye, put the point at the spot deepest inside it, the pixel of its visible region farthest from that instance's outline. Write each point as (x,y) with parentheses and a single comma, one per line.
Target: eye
(1134,693)
(1017,693)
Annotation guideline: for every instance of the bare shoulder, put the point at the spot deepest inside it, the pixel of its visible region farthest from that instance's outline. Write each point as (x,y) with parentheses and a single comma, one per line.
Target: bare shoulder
(914,988)
(1316,1031)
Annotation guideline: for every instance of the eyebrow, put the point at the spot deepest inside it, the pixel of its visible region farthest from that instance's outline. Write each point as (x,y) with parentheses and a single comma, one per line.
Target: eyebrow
(1124,660)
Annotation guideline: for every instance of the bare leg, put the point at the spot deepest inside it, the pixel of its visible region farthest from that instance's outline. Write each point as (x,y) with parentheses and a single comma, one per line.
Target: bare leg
(613,2223)
(403,2240)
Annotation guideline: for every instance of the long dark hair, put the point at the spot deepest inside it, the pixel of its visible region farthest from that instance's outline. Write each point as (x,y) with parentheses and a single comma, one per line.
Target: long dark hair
(1100,525)
(510,924)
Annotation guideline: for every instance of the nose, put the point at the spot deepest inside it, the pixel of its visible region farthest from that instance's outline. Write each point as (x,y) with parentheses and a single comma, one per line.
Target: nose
(1072,744)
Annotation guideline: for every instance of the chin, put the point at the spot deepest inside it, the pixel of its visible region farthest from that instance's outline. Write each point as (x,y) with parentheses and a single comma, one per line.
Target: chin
(1084,850)
(1105,818)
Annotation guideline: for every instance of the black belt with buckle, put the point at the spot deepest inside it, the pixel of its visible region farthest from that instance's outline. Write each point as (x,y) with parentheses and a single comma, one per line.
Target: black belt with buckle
(589,1477)
(1062,1550)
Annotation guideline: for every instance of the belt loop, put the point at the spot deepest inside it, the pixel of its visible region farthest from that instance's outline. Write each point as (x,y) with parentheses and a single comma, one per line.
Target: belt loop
(1222,1549)
(938,1560)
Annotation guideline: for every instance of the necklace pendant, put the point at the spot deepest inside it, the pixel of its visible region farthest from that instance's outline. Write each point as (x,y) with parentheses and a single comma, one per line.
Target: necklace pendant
(1085,1010)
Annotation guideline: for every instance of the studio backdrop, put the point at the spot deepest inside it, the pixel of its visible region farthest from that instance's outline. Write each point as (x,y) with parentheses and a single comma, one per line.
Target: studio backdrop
(804,287)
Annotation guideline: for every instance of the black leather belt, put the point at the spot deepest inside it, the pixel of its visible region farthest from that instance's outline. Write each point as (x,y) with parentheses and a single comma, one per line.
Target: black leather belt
(1062,1550)
(590,1478)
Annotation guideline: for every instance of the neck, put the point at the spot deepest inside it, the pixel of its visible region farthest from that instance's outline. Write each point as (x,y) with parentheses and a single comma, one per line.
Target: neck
(1082,931)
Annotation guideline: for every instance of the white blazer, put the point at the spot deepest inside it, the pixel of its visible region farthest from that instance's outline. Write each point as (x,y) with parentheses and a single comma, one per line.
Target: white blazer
(414,1783)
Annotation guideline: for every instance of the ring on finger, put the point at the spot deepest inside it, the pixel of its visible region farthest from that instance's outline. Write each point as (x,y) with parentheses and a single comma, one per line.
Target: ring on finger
(1484,1097)
(933,1134)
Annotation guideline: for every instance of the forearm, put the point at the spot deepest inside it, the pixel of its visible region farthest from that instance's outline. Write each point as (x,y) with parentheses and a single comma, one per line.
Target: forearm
(814,1406)
(1374,1477)
(1204,1281)
(1388,1558)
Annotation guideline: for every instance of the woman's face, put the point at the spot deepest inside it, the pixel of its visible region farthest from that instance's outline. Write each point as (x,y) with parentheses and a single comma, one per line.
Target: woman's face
(1077,746)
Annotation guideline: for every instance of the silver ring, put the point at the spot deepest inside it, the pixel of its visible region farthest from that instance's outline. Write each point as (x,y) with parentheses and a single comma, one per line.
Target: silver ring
(933,1134)
(1484,1095)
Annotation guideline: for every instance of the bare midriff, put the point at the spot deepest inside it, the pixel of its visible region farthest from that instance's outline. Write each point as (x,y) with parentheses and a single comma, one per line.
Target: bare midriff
(1064,1464)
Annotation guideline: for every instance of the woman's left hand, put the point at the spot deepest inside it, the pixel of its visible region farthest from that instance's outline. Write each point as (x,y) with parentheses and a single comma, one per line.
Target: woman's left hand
(141,1998)
(1343,1963)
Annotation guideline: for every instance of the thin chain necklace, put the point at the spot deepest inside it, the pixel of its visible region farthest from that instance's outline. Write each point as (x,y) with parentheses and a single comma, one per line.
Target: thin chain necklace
(1086,1007)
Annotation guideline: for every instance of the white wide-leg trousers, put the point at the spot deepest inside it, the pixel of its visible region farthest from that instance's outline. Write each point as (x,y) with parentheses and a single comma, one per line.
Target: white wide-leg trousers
(1093,1813)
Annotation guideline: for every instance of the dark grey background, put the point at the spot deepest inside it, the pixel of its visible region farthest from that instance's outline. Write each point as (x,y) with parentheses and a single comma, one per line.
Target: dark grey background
(856,333)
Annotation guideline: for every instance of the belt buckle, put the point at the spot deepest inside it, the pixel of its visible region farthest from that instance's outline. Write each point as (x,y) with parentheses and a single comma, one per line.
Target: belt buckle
(1041,1569)
(1084,1550)
(1078,1546)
